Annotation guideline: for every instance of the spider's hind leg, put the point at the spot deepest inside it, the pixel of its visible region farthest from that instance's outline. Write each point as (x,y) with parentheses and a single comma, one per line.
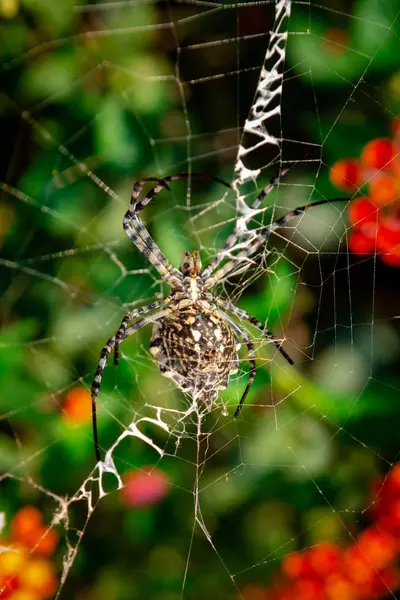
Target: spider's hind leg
(251,357)
(253,372)
(242,314)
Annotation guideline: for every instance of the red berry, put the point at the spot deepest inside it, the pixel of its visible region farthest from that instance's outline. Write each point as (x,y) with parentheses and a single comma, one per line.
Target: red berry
(296,565)
(388,517)
(346,174)
(338,586)
(356,565)
(387,239)
(390,578)
(325,558)
(395,511)
(391,219)
(379,548)
(379,584)
(361,244)
(378,153)
(392,258)
(395,128)
(383,188)
(252,591)
(308,589)
(362,210)
(393,479)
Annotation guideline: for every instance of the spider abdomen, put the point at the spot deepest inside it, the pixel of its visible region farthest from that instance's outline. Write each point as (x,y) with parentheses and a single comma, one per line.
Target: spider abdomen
(197,350)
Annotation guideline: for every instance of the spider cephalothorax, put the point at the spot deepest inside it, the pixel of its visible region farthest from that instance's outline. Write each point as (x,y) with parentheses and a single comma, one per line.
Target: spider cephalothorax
(194,339)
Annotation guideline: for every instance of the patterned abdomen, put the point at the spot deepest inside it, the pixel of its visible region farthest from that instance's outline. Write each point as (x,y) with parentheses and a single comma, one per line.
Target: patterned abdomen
(197,350)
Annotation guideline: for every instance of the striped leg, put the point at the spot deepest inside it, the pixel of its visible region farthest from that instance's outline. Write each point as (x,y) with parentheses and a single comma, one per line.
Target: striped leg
(130,317)
(150,319)
(137,232)
(260,239)
(251,356)
(234,237)
(95,390)
(122,333)
(139,235)
(242,314)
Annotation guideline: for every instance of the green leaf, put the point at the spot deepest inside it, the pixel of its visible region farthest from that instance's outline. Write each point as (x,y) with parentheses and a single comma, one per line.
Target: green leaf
(376,32)
(111,134)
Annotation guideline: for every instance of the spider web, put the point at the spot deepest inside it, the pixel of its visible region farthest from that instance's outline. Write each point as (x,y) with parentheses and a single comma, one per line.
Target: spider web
(101,94)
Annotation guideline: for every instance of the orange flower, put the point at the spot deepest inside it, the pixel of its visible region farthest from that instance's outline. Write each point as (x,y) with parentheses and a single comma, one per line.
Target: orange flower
(44,541)
(77,406)
(38,575)
(11,560)
(28,529)
(25,594)
(25,523)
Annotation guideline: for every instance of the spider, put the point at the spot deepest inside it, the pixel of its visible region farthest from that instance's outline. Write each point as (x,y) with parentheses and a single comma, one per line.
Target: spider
(194,338)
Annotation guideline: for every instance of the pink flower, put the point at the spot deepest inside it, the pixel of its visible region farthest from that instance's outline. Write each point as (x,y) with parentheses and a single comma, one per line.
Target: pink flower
(145,487)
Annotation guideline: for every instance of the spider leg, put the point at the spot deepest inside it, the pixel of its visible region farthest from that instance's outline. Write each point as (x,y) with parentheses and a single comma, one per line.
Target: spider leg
(261,237)
(139,235)
(234,237)
(137,232)
(139,324)
(251,356)
(242,314)
(122,333)
(130,317)
(95,390)
(163,183)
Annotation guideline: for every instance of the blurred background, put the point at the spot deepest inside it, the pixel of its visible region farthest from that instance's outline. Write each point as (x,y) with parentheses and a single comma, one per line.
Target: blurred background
(300,496)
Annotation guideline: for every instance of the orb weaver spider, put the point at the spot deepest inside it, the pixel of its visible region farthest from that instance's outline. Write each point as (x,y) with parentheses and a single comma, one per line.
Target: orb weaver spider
(194,339)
